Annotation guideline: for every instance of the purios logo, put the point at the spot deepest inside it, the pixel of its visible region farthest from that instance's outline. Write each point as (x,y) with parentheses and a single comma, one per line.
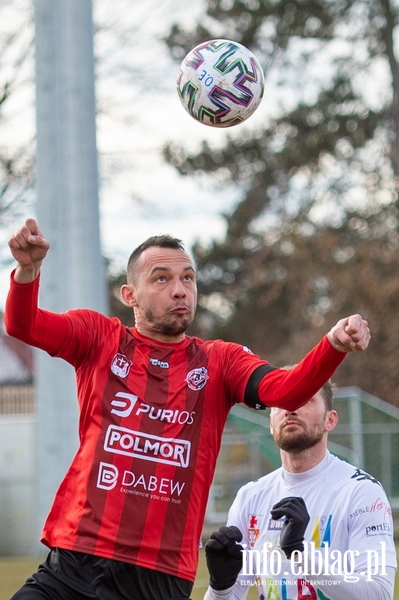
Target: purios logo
(169,451)
(124,403)
(124,407)
(182,417)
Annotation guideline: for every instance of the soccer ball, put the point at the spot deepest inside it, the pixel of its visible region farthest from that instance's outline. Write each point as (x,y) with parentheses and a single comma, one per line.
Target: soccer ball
(220,83)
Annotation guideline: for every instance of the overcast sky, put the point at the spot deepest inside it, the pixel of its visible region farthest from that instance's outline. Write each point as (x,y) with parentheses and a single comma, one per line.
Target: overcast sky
(139,111)
(147,196)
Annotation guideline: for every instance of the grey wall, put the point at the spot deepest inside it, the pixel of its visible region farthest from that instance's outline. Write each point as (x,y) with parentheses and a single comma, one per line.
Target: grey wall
(17,486)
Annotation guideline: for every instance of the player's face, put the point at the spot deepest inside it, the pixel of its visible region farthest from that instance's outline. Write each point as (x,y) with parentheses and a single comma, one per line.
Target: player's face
(165,293)
(303,428)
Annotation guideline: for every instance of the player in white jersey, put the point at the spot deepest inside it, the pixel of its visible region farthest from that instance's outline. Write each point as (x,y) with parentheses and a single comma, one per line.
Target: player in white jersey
(317,528)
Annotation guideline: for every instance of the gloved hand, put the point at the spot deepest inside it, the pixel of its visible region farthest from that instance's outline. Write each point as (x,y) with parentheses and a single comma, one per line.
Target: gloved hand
(296,520)
(224,557)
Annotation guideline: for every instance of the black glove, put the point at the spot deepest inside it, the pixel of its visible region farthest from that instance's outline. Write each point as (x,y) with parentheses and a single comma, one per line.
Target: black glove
(224,557)
(296,520)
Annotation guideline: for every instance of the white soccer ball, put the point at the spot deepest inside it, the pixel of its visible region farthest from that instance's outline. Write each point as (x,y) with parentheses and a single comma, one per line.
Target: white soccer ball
(220,83)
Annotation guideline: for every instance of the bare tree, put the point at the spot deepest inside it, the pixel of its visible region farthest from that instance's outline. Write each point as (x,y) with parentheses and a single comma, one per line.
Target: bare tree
(16,107)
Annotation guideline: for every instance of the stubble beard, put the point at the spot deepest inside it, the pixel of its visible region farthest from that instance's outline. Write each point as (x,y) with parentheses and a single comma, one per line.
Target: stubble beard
(297,442)
(169,326)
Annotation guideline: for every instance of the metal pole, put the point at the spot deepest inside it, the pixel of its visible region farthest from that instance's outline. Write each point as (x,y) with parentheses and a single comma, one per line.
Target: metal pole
(68,214)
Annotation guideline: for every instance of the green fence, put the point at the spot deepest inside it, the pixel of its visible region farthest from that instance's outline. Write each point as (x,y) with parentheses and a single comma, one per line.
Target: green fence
(367,436)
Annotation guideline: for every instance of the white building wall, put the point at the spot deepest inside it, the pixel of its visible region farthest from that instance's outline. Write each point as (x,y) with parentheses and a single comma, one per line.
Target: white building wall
(17,486)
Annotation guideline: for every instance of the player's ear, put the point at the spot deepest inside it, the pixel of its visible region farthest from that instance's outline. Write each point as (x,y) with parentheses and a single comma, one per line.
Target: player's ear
(128,295)
(331,420)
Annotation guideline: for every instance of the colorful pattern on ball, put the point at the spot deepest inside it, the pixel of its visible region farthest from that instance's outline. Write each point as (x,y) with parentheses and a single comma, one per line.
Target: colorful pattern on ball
(220,83)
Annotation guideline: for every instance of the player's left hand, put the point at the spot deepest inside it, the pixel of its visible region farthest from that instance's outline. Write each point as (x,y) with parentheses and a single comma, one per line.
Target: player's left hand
(224,557)
(351,334)
(294,510)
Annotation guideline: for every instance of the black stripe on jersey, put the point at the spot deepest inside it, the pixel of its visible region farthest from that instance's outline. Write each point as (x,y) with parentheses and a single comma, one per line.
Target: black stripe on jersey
(251,397)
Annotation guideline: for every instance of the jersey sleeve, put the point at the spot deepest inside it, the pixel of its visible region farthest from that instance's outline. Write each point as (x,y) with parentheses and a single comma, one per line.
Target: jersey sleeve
(370,524)
(290,389)
(367,569)
(242,370)
(237,517)
(71,335)
(259,384)
(28,323)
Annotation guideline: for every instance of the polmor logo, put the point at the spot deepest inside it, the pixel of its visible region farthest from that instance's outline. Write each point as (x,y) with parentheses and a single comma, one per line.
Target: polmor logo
(169,451)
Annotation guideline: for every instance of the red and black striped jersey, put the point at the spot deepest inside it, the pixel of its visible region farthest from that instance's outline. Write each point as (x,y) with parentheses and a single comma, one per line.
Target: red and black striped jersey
(151,422)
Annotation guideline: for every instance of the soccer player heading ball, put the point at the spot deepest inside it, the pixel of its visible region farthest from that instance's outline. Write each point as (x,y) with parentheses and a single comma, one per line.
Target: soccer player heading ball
(153,402)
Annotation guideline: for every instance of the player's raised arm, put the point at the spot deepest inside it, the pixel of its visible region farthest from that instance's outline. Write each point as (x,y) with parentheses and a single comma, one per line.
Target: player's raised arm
(293,388)
(351,334)
(29,248)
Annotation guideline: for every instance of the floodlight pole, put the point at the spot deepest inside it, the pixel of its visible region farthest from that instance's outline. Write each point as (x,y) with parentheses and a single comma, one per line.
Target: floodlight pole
(68,215)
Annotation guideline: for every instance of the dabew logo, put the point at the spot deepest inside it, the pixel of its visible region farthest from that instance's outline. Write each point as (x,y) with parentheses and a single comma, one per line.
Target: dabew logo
(107,476)
(169,451)
(139,484)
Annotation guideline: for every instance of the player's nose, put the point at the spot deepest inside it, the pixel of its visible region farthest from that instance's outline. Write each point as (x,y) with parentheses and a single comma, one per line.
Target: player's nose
(178,290)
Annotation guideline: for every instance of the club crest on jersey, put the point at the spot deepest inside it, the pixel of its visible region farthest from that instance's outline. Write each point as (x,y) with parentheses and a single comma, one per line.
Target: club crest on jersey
(197,378)
(120,365)
(253,530)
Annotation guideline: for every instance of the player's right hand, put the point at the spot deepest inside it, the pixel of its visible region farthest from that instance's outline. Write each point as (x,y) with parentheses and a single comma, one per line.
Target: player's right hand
(29,248)
(293,508)
(224,557)
(351,334)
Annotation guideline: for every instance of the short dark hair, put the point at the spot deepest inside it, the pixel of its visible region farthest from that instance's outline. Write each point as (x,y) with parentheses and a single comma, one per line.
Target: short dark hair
(160,241)
(328,394)
(327,390)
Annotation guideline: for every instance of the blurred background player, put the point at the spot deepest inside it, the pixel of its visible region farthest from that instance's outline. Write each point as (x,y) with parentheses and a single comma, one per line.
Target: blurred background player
(314,497)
